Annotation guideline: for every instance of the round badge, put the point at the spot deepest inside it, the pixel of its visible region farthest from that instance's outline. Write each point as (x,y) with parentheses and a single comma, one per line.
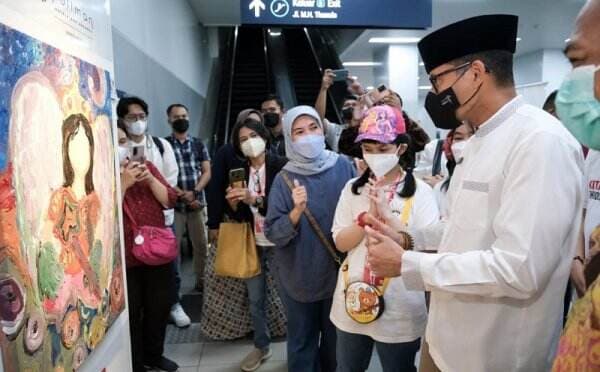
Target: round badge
(117,295)
(79,356)
(364,303)
(139,240)
(70,329)
(96,332)
(35,330)
(12,305)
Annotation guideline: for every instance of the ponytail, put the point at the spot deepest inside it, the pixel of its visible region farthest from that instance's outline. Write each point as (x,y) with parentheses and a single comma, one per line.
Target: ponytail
(410,184)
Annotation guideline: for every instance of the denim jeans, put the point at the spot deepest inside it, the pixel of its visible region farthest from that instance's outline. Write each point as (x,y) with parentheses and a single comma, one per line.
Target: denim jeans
(310,335)
(257,293)
(354,353)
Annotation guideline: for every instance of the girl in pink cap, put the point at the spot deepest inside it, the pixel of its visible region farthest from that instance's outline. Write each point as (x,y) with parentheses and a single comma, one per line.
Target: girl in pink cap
(369,310)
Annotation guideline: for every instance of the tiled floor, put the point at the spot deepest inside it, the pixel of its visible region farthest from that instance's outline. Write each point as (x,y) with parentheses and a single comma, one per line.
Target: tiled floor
(226,357)
(202,355)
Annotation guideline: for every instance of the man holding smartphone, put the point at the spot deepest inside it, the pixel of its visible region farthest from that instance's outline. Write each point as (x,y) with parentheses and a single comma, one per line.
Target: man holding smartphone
(194,173)
(350,111)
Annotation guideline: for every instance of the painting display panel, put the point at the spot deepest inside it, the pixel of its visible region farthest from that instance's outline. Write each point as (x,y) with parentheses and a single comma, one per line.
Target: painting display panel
(61,275)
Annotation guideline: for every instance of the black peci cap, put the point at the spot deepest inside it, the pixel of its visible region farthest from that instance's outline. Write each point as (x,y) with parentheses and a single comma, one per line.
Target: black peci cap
(472,35)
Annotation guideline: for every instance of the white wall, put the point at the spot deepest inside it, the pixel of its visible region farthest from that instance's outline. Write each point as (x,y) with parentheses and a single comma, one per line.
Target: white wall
(539,73)
(164,55)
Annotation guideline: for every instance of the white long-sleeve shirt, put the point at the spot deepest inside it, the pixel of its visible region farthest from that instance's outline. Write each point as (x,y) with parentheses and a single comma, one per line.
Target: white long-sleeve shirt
(166,165)
(498,282)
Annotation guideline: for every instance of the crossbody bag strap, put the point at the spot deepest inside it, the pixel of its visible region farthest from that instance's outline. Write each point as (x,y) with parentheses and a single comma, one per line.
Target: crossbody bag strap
(314,224)
(129,214)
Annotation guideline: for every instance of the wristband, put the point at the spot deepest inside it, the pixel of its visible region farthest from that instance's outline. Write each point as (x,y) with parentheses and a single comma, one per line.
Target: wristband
(360,220)
(578,258)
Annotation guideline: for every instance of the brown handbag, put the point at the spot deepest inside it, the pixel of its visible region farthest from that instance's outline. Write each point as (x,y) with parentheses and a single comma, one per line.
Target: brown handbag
(236,255)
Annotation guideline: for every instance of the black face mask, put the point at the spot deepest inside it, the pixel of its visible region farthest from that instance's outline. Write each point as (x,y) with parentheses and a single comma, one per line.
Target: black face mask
(271,119)
(181,125)
(442,107)
(348,113)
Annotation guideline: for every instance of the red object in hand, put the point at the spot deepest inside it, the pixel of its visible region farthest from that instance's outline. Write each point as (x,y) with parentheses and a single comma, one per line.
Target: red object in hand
(360,220)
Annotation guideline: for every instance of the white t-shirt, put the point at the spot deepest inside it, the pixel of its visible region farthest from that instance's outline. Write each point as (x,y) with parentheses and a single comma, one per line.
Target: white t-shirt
(334,131)
(257,185)
(591,225)
(424,164)
(405,314)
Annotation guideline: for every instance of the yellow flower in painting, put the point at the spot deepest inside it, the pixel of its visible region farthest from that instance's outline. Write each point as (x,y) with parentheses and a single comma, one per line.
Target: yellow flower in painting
(96,332)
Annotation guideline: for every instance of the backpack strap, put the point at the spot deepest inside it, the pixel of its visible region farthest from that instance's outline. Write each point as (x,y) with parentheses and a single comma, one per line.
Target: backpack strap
(159,144)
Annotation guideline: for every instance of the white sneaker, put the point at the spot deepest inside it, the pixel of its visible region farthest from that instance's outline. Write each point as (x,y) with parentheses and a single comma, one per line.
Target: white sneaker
(179,317)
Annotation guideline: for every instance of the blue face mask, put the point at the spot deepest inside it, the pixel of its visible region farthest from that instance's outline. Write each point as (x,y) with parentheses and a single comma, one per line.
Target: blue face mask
(309,146)
(578,107)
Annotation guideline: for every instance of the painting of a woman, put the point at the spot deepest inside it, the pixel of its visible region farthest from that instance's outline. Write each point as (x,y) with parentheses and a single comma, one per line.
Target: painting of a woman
(73,212)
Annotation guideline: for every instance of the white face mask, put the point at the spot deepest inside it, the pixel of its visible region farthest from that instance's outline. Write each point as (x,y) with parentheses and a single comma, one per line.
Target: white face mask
(123,154)
(381,164)
(137,128)
(253,147)
(458,149)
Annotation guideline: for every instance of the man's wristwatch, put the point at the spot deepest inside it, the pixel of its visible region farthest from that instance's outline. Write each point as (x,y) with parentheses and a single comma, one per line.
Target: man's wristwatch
(259,201)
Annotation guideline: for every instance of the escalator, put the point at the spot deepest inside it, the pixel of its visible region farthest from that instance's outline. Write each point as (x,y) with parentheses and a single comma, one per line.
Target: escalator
(246,79)
(289,63)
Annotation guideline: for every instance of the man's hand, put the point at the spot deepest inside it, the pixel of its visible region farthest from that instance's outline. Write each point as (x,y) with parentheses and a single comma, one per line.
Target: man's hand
(188,196)
(327,81)
(195,205)
(384,255)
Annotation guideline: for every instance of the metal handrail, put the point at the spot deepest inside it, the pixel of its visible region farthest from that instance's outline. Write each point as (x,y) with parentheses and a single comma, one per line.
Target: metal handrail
(230,90)
(316,58)
(267,64)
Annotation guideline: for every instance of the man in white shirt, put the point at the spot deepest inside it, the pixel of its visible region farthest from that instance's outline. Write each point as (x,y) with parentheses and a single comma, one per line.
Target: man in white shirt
(134,112)
(498,281)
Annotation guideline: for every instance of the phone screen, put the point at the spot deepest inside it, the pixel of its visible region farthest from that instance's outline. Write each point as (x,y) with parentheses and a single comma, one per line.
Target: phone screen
(138,153)
(237,177)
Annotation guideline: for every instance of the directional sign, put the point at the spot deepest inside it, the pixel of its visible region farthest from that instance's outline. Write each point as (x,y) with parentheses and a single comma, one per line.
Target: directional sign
(341,13)
(257,6)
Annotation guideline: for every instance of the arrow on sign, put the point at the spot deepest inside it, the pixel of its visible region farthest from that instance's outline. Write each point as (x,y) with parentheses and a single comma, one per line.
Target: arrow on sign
(257,5)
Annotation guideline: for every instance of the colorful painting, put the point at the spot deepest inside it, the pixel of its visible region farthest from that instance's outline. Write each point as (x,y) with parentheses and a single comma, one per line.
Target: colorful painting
(61,277)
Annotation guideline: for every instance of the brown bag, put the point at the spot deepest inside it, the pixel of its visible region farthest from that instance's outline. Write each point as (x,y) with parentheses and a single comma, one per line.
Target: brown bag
(236,251)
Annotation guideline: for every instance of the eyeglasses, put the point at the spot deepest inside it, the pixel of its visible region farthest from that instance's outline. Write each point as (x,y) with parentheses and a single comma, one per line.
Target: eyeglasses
(133,117)
(434,78)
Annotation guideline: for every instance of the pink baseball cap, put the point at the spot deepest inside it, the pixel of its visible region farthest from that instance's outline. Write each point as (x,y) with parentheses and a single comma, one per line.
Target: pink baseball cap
(382,124)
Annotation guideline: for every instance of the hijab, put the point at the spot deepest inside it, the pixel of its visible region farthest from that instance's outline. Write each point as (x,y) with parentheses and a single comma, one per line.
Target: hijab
(298,163)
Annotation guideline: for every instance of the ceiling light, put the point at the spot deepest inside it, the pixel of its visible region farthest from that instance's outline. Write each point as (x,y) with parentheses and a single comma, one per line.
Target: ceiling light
(370,87)
(567,40)
(518,39)
(422,64)
(275,33)
(424,87)
(362,64)
(394,40)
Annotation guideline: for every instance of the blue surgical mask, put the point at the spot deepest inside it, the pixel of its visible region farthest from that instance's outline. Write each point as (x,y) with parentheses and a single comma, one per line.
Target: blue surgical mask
(309,146)
(578,107)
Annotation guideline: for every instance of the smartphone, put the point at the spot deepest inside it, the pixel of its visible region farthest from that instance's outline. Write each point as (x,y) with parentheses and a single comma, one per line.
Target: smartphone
(237,177)
(374,96)
(138,153)
(340,75)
